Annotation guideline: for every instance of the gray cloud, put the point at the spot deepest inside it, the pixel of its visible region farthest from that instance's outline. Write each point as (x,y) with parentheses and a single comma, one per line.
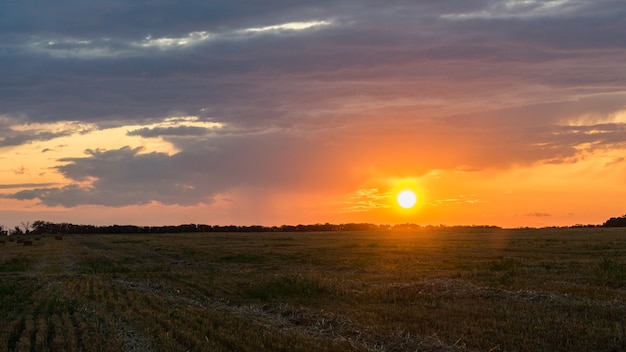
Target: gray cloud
(13,138)
(392,47)
(169,131)
(124,177)
(539,214)
(122,18)
(25,185)
(195,175)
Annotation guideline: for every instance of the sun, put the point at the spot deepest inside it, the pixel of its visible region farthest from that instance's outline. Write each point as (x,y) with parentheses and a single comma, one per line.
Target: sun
(406,199)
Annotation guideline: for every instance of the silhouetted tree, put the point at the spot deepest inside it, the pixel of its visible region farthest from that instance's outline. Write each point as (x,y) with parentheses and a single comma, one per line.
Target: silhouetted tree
(40,227)
(26,227)
(616,222)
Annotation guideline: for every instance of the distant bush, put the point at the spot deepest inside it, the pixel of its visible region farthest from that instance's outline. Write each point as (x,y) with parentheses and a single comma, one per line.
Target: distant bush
(616,222)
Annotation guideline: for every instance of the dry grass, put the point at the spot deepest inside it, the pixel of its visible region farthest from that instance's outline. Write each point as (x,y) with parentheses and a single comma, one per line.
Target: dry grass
(430,290)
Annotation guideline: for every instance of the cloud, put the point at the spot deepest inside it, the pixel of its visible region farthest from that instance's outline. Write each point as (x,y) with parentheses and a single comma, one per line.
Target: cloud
(539,214)
(202,170)
(461,199)
(147,132)
(526,9)
(17,131)
(124,177)
(614,162)
(64,47)
(74,195)
(21,171)
(13,138)
(165,43)
(149,60)
(547,132)
(25,185)
(367,199)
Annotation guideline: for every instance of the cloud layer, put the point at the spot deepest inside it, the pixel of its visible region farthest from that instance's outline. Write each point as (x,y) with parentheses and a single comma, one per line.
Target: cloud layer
(252,64)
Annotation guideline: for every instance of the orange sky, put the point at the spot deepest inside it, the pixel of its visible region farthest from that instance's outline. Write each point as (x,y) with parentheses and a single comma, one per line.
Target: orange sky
(493,112)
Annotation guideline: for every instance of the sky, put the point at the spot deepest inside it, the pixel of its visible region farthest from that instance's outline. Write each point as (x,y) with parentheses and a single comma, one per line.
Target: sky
(160,112)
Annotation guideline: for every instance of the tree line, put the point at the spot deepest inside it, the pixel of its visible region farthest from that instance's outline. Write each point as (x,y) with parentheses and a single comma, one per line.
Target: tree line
(44,227)
(40,227)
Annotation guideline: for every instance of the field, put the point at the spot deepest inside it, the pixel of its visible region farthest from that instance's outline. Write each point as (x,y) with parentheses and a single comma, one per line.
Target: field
(449,289)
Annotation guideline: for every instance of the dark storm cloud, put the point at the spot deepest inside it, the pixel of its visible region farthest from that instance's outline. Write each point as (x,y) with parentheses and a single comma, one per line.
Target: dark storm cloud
(126,176)
(71,60)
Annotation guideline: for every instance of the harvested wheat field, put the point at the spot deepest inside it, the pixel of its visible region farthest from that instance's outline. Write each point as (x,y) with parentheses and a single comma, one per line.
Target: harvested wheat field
(439,289)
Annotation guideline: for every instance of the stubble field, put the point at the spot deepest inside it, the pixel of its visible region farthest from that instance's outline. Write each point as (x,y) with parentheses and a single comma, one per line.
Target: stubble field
(451,289)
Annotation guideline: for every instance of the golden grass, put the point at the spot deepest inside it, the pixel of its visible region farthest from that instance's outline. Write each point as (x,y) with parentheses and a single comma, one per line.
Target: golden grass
(453,289)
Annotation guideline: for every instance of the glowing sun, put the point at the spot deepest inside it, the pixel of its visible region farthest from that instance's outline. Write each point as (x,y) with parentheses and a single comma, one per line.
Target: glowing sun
(406,199)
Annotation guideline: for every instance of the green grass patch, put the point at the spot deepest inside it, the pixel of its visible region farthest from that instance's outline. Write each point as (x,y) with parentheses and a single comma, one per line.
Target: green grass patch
(104,266)
(127,241)
(7,289)
(16,264)
(286,286)
(242,258)
(504,264)
(14,295)
(611,273)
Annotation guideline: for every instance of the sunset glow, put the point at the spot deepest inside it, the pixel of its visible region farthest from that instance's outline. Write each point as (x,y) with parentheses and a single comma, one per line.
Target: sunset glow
(491,112)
